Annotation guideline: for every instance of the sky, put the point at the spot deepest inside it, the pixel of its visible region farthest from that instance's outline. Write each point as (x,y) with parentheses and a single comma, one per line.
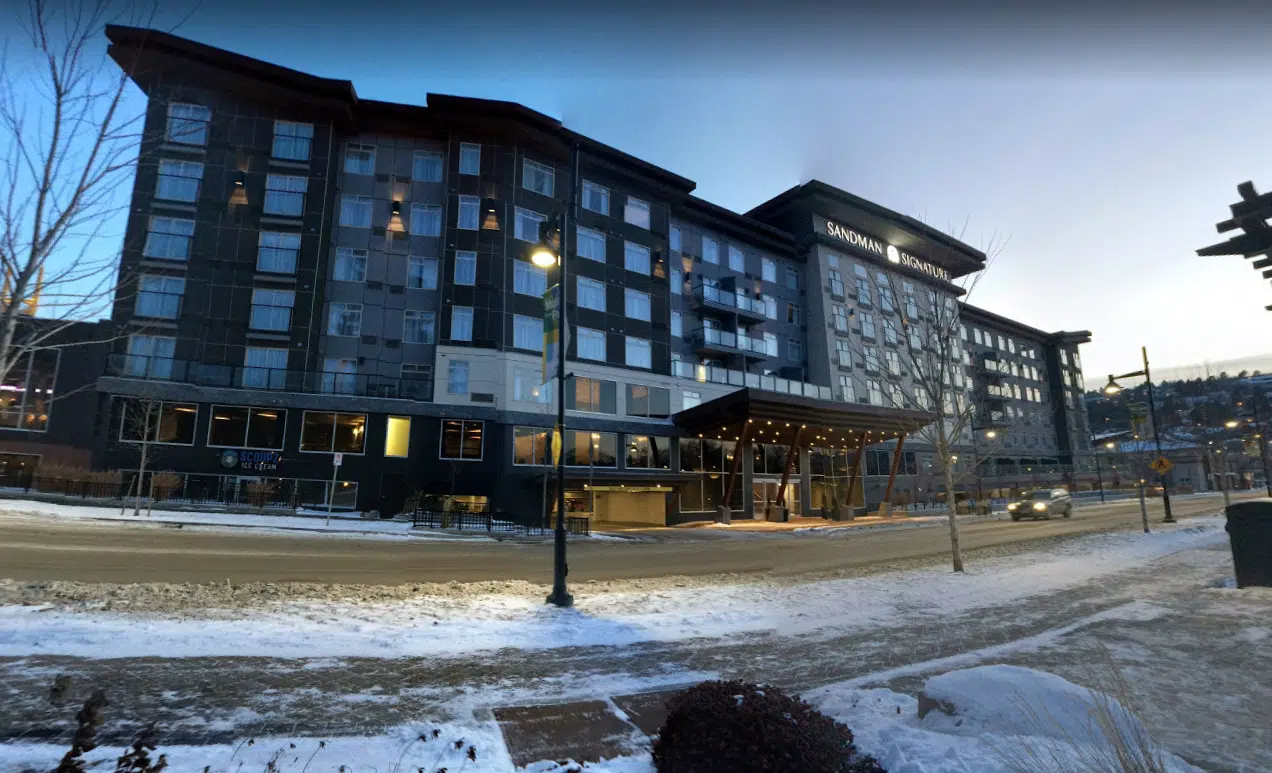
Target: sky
(1102,146)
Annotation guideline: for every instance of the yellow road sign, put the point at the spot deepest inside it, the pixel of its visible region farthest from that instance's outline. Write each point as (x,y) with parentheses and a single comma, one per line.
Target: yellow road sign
(1161,465)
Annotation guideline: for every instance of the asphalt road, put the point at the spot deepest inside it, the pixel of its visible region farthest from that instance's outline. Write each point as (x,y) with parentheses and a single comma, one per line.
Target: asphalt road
(33,549)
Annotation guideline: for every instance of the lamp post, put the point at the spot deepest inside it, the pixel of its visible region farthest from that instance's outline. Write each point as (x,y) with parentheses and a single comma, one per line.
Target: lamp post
(1260,436)
(557,229)
(1098,476)
(1113,388)
(977,461)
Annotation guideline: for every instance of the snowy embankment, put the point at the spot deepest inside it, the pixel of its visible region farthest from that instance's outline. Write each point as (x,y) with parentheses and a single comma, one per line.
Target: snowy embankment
(457,625)
(1000,714)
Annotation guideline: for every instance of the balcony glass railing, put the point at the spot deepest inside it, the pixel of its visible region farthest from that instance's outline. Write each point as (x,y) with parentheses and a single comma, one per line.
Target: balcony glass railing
(731,299)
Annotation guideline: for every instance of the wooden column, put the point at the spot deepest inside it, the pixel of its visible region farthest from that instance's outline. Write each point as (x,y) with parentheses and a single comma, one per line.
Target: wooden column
(856,469)
(791,450)
(892,475)
(737,463)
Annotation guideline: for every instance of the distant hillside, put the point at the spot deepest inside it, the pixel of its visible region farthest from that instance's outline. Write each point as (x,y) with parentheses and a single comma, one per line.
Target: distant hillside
(1261,362)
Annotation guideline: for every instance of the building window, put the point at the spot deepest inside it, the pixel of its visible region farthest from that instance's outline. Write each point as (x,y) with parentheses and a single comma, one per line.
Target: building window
(770,306)
(529,279)
(150,356)
(912,308)
(894,362)
(467,216)
(158,422)
(843,354)
(868,326)
(875,390)
(285,194)
(737,261)
(636,212)
(350,265)
(271,309)
(526,227)
(591,344)
(178,180)
(636,304)
(417,326)
(768,270)
(675,238)
(846,392)
(355,211)
(710,251)
(527,385)
(339,375)
(591,395)
(889,333)
(168,238)
(589,244)
(836,283)
(427,167)
(916,340)
(677,279)
(240,427)
(327,432)
(677,325)
(457,377)
(159,296)
(292,140)
(359,159)
(840,315)
(264,368)
(397,436)
(591,449)
(638,355)
(920,398)
(277,252)
(537,177)
(636,258)
(871,357)
(462,440)
(792,313)
(591,293)
(461,323)
(863,293)
(465,267)
(426,220)
(595,197)
(527,333)
(421,273)
(896,395)
(188,124)
(648,402)
(792,278)
(469,158)
(345,319)
(531,445)
(646,452)
(796,350)
(690,399)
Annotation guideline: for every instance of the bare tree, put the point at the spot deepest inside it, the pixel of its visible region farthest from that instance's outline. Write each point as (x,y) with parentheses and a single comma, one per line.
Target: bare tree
(922,364)
(142,417)
(68,143)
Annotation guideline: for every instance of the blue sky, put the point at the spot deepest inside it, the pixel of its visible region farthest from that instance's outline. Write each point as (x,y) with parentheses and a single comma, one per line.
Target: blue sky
(1105,147)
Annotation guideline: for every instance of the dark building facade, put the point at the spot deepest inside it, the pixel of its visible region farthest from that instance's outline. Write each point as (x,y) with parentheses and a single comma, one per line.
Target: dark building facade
(323,277)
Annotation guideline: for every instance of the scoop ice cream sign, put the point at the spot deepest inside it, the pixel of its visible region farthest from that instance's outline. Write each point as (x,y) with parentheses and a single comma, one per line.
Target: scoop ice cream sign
(887,251)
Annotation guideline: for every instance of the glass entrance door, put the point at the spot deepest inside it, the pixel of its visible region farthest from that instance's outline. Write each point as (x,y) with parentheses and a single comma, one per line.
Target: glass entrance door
(764,493)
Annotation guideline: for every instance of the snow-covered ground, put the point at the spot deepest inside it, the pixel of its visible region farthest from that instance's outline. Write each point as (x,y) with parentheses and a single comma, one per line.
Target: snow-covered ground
(1000,713)
(460,625)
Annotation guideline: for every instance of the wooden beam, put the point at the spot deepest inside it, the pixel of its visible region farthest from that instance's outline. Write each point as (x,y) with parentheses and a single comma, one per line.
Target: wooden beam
(737,462)
(791,450)
(892,475)
(856,469)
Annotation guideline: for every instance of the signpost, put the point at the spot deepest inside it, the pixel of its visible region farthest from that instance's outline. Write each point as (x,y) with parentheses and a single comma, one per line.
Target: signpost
(1161,465)
(337,459)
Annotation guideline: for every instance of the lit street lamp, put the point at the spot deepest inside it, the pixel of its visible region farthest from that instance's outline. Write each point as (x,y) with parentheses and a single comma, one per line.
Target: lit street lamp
(1112,388)
(1098,476)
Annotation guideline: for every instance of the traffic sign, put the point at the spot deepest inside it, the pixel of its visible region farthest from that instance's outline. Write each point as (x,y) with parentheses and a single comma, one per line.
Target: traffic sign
(337,459)
(1161,465)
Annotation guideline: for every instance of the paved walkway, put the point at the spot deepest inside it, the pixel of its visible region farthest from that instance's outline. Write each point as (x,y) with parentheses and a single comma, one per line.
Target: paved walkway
(1199,662)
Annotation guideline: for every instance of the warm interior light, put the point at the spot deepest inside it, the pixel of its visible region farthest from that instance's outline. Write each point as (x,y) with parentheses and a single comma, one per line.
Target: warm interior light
(543,257)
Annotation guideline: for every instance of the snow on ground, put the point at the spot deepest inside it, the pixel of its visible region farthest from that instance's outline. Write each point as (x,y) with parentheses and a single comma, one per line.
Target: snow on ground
(458,626)
(1000,710)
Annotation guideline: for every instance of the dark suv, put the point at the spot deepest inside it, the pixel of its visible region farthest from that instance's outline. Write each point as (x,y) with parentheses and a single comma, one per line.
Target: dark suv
(1043,503)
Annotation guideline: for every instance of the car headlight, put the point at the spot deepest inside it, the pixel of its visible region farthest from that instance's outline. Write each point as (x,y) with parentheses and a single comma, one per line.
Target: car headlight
(1040,506)
(1012,506)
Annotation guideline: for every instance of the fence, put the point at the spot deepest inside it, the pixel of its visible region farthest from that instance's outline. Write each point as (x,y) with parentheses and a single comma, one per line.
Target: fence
(210,490)
(481,521)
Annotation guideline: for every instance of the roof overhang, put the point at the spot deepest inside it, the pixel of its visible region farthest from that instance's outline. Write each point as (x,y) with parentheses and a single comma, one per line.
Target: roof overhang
(775,417)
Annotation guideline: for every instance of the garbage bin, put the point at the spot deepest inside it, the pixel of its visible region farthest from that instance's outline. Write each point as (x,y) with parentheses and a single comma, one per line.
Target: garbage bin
(1250,532)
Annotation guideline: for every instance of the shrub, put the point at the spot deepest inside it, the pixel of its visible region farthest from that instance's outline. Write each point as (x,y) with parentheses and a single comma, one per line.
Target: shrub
(746,728)
(163,484)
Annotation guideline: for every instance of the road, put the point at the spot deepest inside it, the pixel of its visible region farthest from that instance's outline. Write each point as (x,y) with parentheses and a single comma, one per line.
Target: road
(33,549)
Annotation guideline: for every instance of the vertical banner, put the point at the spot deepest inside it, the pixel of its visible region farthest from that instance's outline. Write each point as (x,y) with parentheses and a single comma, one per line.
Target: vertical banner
(551,331)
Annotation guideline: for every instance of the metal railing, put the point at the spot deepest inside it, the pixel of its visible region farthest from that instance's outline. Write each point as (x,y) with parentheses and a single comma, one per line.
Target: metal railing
(733,300)
(711,336)
(498,523)
(191,489)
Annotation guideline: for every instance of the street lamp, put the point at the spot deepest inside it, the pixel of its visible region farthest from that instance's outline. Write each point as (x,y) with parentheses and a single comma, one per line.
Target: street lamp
(1112,388)
(1098,475)
(551,251)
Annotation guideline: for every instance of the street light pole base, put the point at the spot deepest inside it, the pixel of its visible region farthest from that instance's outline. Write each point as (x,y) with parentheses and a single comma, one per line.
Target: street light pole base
(1169,519)
(560,599)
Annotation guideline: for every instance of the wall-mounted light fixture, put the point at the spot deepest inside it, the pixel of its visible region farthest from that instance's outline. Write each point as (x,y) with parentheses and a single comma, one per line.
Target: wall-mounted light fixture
(395,209)
(240,178)
(490,222)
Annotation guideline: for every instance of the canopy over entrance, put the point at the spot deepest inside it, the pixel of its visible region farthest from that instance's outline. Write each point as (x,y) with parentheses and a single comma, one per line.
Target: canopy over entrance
(753,416)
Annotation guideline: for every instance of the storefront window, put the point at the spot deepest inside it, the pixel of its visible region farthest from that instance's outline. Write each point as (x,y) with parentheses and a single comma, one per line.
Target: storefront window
(531,445)
(462,440)
(171,423)
(647,452)
(594,449)
(241,427)
(328,432)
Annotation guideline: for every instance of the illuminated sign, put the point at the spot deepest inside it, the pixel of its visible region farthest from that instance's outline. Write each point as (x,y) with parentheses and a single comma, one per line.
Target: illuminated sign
(256,461)
(883,250)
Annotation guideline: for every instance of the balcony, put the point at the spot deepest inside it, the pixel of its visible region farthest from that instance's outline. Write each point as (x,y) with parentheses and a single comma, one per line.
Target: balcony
(729,302)
(712,374)
(167,369)
(711,341)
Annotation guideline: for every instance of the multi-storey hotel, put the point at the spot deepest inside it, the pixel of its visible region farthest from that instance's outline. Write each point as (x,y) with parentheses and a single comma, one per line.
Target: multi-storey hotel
(311,274)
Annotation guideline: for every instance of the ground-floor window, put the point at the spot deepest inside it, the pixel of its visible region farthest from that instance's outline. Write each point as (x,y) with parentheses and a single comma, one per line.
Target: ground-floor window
(256,491)
(157,422)
(243,427)
(333,432)
(462,440)
(706,493)
(18,464)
